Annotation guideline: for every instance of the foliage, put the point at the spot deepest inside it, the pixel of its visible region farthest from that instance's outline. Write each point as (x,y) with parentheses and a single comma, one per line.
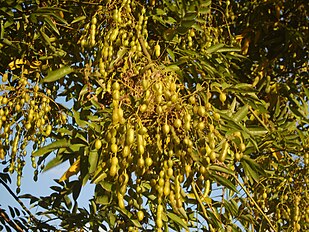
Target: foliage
(183,114)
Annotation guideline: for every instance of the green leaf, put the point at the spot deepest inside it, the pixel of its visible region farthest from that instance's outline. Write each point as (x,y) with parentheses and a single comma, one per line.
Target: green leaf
(253,165)
(57,74)
(214,48)
(106,185)
(241,113)
(51,24)
(224,181)
(80,18)
(306,92)
(177,219)
(93,160)
(257,131)
(171,54)
(172,68)
(229,49)
(99,175)
(218,168)
(63,143)
(78,120)
(45,37)
(67,201)
(103,199)
(53,163)
(160,11)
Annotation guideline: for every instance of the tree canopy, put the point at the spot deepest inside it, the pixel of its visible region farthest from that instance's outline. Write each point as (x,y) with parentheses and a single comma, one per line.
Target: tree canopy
(183,114)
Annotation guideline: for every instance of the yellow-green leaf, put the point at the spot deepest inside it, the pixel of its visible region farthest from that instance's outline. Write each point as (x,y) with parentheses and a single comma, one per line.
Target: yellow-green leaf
(57,74)
(72,170)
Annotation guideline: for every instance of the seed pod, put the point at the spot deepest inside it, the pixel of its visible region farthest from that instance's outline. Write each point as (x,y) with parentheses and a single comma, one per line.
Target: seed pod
(116,117)
(140,149)
(166,129)
(140,140)
(98,144)
(126,151)
(222,97)
(140,215)
(141,162)
(114,148)
(207,188)
(148,161)
(167,189)
(242,147)
(130,136)
(224,150)
(114,161)
(157,50)
(120,201)
(201,111)
(213,156)
(113,171)
(177,123)
(114,34)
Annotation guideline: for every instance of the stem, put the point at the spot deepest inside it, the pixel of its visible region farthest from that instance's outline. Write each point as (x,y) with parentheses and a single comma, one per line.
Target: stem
(19,201)
(199,200)
(254,202)
(141,41)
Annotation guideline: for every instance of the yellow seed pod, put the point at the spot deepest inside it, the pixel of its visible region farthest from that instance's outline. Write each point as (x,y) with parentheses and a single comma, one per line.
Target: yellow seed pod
(5,77)
(115,116)
(148,161)
(207,188)
(143,108)
(213,156)
(159,222)
(120,201)
(114,34)
(224,150)
(113,170)
(157,50)
(98,144)
(167,189)
(242,147)
(126,151)
(222,97)
(114,148)
(141,162)
(141,149)
(166,129)
(177,123)
(2,154)
(94,20)
(130,136)
(140,215)
(140,140)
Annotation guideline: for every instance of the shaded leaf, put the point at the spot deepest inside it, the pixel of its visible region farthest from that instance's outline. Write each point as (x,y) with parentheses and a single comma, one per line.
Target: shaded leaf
(224,181)
(177,219)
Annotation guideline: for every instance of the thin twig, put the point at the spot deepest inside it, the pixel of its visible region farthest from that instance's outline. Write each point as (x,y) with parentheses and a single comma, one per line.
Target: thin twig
(254,202)
(199,200)
(4,215)
(19,201)
(142,43)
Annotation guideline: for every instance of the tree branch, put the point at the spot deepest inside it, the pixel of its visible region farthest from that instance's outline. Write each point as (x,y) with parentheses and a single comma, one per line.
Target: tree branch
(19,201)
